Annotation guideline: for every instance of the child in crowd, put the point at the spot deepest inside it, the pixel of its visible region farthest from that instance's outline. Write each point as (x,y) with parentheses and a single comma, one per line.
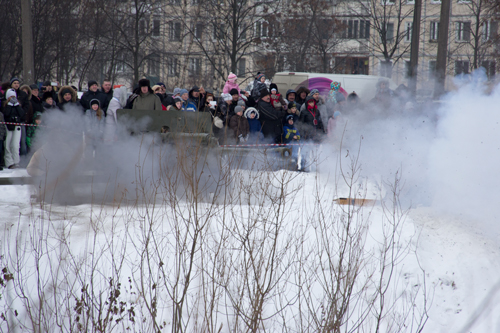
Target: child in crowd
(177,106)
(252,116)
(32,130)
(292,110)
(231,84)
(276,99)
(239,125)
(94,125)
(291,135)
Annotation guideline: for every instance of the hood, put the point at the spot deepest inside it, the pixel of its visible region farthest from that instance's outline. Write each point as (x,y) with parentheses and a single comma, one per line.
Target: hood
(63,91)
(248,110)
(121,95)
(10,93)
(290,91)
(27,88)
(301,90)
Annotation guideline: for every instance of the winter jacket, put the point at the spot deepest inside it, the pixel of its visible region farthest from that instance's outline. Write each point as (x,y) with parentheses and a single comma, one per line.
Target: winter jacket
(254,124)
(188,106)
(13,114)
(270,119)
(278,102)
(257,88)
(31,131)
(94,127)
(148,101)
(289,131)
(231,85)
(198,102)
(3,128)
(105,104)
(239,126)
(299,101)
(37,104)
(111,120)
(308,127)
(90,95)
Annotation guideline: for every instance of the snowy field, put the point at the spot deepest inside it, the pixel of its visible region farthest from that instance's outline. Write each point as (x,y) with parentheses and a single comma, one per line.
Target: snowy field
(239,250)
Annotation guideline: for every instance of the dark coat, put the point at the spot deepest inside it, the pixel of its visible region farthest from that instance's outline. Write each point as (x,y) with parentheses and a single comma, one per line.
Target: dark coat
(306,125)
(239,126)
(37,104)
(271,120)
(90,95)
(108,97)
(13,114)
(199,102)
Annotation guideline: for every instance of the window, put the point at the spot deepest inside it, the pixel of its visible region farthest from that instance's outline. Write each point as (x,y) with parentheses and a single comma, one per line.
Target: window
(407,68)
(490,30)
(120,62)
(198,30)
(489,67)
(387,32)
(434,31)
(354,29)
(463,31)
(241,67)
(156,28)
(219,31)
(408,31)
(261,29)
(461,67)
(154,65)
(172,66)
(388,2)
(175,31)
(194,67)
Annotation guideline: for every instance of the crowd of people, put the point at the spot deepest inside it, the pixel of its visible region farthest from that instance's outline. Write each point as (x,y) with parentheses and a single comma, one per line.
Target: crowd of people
(261,115)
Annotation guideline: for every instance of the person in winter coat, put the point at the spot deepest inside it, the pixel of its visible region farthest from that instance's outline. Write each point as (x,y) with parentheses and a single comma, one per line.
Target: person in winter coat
(3,136)
(300,96)
(311,123)
(117,102)
(107,94)
(36,101)
(48,102)
(290,96)
(225,107)
(13,113)
(290,132)
(32,130)
(231,84)
(292,110)
(67,99)
(92,93)
(187,105)
(146,98)
(259,84)
(197,97)
(239,126)
(276,99)
(177,106)
(255,135)
(94,124)
(270,118)
(28,119)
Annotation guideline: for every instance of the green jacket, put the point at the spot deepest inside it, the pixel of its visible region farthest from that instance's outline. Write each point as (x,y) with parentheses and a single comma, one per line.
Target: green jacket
(148,101)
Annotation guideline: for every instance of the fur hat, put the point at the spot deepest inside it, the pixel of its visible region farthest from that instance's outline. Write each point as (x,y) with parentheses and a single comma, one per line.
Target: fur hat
(144,83)
(95,101)
(251,110)
(233,91)
(91,83)
(226,97)
(63,91)
(273,86)
(47,94)
(264,93)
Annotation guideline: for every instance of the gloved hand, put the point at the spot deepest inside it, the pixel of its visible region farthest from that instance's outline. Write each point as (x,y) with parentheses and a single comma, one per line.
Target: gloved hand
(241,138)
(246,137)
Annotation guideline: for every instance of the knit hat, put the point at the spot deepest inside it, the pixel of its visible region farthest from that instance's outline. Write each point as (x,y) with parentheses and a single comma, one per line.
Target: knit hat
(177,91)
(34,86)
(232,77)
(195,89)
(335,85)
(11,93)
(91,83)
(37,115)
(264,93)
(178,99)
(161,84)
(291,105)
(238,109)
(336,114)
(144,83)
(47,94)
(233,92)
(14,79)
(226,97)
(94,101)
(273,86)
(314,91)
(241,102)
(184,91)
(46,83)
(260,76)
(290,116)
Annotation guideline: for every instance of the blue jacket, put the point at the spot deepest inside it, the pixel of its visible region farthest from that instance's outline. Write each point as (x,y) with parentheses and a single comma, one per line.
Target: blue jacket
(188,106)
(289,132)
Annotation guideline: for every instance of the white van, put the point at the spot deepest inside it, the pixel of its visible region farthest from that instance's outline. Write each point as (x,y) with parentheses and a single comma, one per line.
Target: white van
(365,86)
